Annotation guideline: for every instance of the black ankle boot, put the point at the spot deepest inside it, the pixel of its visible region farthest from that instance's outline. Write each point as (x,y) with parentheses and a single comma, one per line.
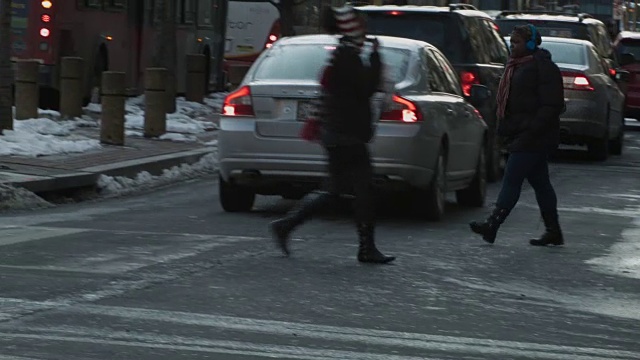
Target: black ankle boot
(282,228)
(489,228)
(552,234)
(367,251)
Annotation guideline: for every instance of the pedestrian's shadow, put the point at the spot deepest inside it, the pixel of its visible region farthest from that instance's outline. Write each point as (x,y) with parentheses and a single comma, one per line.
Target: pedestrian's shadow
(390,207)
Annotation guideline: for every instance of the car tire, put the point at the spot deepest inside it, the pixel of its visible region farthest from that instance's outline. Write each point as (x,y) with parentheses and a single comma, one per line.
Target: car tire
(476,193)
(616,145)
(434,197)
(598,148)
(234,198)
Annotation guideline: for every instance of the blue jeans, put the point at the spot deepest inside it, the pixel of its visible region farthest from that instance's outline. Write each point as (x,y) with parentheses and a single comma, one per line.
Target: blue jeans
(534,167)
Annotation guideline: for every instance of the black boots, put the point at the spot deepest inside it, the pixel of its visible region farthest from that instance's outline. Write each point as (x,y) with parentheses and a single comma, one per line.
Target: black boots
(367,251)
(552,234)
(281,229)
(489,228)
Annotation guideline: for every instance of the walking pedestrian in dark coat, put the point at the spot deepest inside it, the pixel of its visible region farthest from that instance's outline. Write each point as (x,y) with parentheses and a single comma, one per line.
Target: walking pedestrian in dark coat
(530,100)
(345,113)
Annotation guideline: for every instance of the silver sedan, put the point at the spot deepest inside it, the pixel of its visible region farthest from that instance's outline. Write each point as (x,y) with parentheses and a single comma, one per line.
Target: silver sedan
(428,139)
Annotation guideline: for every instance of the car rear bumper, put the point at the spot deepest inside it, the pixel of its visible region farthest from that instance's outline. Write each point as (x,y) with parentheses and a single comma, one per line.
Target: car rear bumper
(401,158)
(582,121)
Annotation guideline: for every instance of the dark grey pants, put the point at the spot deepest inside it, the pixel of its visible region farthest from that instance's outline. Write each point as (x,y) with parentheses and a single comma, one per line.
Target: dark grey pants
(350,172)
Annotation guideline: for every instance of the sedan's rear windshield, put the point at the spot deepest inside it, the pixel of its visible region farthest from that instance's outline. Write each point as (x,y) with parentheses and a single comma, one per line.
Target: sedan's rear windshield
(629,46)
(305,61)
(563,53)
(546,28)
(438,30)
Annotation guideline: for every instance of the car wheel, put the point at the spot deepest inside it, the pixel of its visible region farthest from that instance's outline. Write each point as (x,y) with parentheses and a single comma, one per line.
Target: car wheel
(616,145)
(476,193)
(598,148)
(434,197)
(234,198)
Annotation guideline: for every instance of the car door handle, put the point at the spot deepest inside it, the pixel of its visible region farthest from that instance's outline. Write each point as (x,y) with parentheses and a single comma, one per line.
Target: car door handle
(450,112)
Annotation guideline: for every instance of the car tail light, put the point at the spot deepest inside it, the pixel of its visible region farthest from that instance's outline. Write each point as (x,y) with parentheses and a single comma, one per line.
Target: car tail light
(238,103)
(468,79)
(403,110)
(612,72)
(394,12)
(576,81)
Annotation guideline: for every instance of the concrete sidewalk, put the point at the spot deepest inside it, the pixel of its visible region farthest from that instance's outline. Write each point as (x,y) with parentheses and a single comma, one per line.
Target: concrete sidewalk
(62,172)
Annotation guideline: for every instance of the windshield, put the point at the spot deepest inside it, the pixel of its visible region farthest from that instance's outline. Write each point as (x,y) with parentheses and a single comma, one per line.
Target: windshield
(629,46)
(437,30)
(563,53)
(305,61)
(546,28)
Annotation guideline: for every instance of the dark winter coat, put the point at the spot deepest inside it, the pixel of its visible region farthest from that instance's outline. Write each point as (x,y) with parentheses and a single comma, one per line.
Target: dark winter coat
(348,88)
(536,100)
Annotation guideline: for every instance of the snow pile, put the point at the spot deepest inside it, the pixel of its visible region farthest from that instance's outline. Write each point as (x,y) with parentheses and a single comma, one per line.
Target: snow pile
(119,185)
(189,118)
(13,198)
(43,136)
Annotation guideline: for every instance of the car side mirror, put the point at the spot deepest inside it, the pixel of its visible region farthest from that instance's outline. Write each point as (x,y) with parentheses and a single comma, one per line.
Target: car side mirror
(479,95)
(622,76)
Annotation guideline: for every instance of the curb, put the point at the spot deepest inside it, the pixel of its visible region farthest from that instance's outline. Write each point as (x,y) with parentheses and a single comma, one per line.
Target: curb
(89,176)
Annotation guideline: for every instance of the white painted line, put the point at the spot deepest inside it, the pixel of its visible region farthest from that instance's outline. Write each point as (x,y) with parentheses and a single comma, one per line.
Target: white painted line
(368,337)
(209,346)
(14,235)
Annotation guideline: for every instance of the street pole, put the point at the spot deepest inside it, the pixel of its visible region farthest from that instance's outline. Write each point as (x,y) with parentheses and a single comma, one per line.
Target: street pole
(635,14)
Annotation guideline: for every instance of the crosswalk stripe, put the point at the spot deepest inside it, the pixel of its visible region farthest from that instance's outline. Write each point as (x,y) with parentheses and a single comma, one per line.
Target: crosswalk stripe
(207,346)
(325,333)
(14,234)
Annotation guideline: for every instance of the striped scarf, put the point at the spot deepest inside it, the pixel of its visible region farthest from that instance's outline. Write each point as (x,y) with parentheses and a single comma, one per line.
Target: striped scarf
(505,83)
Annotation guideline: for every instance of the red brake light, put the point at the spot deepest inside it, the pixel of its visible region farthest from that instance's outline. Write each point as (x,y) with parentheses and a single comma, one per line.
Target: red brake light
(395,12)
(468,78)
(402,110)
(612,72)
(238,103)
(576,81)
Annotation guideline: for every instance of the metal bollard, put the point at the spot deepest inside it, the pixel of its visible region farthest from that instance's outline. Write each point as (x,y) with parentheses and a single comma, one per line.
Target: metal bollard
(196,72)
(155,102)
(71,87)
(113,96)
(27,91)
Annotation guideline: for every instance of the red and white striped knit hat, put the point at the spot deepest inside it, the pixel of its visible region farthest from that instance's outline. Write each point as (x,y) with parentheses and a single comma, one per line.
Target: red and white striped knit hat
(350,24)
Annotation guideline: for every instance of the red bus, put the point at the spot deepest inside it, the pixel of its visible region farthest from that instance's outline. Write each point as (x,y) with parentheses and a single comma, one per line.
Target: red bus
(115,35)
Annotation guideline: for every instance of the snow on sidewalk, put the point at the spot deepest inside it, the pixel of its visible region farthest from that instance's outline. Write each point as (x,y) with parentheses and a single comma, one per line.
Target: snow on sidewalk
(189,119)
(48,135)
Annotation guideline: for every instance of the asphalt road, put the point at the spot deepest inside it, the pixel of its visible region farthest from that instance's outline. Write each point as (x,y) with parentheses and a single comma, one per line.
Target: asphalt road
(168,275)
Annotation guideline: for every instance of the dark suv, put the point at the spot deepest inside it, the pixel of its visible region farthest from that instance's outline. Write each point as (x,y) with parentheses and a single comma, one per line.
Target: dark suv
(467,37)
(558,24)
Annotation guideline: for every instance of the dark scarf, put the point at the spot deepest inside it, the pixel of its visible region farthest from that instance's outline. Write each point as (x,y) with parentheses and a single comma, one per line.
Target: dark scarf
(505,83)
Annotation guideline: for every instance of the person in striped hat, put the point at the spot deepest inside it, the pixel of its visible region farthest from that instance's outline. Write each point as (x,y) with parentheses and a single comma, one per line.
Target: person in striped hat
(346,129)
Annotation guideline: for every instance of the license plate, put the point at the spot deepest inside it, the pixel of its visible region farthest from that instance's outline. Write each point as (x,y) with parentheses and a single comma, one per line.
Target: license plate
(305,110)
